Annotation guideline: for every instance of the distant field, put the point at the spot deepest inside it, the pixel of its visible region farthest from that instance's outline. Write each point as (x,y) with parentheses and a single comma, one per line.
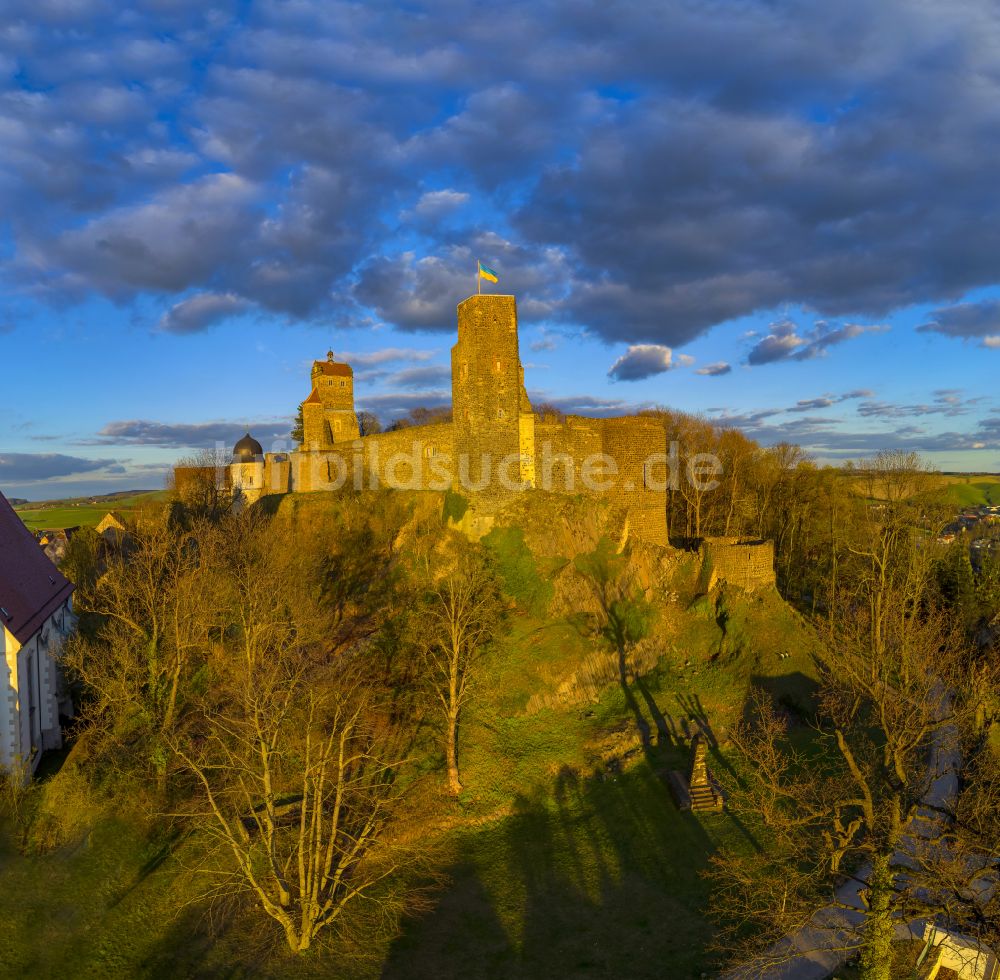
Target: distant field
(67,513)
(972,491)
(960,489)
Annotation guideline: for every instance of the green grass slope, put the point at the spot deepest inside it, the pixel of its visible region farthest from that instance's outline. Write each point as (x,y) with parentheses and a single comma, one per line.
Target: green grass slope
(564,855)
(975,493)
(83,513)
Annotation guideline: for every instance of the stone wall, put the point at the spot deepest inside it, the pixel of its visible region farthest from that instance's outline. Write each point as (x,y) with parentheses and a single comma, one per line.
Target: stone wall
(415,458)
(634,443)
(418,457)
(561,447)
(567,458)
(745,563)
(277,473)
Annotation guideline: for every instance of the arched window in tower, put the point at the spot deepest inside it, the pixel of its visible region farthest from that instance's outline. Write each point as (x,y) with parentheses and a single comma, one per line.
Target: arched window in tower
(500,413)
(499,366)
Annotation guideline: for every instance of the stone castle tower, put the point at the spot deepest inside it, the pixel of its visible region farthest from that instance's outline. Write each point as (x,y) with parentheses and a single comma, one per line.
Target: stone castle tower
(328,414)
(493,423)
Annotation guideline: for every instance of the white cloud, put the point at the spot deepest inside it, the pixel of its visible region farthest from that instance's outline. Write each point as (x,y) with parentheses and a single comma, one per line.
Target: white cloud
(642,361)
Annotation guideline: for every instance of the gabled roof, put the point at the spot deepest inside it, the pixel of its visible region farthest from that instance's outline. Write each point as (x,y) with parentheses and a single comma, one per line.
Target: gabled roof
(313,398)
(333,367)
(31,587)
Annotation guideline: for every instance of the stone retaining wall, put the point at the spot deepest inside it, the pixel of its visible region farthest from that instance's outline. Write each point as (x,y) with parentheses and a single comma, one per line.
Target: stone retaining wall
(742,562)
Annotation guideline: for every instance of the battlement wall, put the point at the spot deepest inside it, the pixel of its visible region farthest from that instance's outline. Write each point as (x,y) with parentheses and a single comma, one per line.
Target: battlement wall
(416,458)
(748,564)
(637,444)
(561,447)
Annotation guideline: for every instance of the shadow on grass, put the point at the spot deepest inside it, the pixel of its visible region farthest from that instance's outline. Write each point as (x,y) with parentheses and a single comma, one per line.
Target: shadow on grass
(598,877)
(795,693)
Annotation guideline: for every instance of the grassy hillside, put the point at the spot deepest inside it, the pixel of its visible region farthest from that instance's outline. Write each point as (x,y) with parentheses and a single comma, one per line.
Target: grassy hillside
(577,862)
(972,491)
(82,512)
(957,489)
(564,856)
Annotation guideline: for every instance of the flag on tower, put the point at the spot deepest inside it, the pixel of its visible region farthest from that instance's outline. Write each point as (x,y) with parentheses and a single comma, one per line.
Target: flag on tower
(486,273)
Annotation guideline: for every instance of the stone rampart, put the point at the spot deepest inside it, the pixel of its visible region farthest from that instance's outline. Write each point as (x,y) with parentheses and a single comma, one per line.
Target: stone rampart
(561,447)
(746,563)
(418,457)
(415,458)
(637,444)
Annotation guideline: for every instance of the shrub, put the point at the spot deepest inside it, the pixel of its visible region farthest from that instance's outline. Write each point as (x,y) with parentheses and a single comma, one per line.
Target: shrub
(518,570)
(65,811)
(455,506)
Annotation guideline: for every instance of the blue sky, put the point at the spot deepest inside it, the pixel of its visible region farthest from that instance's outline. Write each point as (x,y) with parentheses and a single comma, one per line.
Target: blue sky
(782,216)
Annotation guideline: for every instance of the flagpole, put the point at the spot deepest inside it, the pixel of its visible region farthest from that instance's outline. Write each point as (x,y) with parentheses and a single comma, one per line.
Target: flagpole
(479,280)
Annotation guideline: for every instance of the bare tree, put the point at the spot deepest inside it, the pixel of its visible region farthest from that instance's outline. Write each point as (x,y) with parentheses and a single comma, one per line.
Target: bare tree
(549,412)
(201,483)
(296,775)
(422,415)
(368,424)
(464,612)
(870,811)
(137,667)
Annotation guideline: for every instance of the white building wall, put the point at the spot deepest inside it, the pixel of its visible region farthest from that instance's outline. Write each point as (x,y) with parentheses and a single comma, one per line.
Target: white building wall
(30,679)
(248,482)
(9,738)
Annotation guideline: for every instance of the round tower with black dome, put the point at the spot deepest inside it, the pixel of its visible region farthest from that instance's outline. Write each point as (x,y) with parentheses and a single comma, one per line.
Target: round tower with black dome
(247,471)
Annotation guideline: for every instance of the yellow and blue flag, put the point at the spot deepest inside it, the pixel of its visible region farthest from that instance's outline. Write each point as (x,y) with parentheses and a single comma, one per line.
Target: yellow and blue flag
(486,273)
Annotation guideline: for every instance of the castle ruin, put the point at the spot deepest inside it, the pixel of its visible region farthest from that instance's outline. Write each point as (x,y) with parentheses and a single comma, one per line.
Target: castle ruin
(494,446)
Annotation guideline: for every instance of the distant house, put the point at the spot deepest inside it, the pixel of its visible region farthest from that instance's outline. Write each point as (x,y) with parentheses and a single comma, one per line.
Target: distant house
(54,543)
(111,527)
(35,617)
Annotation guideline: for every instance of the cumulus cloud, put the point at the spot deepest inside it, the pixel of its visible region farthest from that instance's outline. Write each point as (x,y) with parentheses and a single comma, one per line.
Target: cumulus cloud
(875,424)
(834,437)
(169,244)
(750,166)
(827,401)
(774,347)
(201,312)
(715,370)
(642,361)
(945,402)
(421,292)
